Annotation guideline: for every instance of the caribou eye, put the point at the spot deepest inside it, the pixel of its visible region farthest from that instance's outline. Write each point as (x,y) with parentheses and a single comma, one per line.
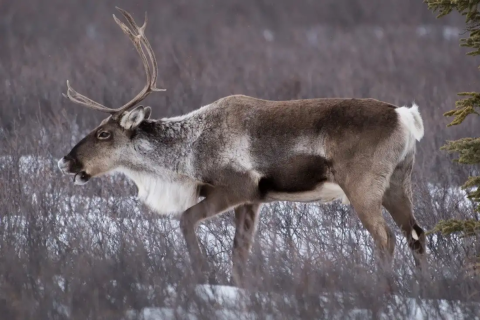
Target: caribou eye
(102,135)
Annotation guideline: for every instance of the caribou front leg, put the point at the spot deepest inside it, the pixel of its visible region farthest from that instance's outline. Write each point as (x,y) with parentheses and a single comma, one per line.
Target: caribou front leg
(246,217)
(216,202)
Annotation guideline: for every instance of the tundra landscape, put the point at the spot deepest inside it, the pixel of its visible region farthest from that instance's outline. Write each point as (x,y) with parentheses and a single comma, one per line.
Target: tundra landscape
(96,252)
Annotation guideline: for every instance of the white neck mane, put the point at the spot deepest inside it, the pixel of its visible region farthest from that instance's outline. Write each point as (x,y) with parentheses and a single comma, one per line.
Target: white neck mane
(164,193)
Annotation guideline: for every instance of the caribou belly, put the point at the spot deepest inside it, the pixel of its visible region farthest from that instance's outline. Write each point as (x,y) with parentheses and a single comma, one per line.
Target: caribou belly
(324,192)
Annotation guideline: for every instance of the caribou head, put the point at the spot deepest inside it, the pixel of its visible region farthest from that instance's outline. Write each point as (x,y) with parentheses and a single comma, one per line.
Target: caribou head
(106,147)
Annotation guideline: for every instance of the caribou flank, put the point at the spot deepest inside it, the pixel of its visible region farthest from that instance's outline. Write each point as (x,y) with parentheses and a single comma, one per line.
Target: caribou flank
(240,152)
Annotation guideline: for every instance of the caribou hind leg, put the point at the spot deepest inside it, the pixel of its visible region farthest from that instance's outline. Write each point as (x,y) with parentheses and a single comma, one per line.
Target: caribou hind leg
(398,201)
(365,195)
(246,217)
(365,190)
(369,210)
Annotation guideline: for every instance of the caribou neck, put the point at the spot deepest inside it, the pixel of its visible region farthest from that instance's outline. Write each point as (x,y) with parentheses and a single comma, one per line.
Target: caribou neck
(168,143)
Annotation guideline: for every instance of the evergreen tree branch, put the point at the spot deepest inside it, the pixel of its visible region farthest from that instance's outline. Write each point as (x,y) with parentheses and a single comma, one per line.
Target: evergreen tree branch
(466,228)
(467,8)
(464,107)
(467,148)
(474,195)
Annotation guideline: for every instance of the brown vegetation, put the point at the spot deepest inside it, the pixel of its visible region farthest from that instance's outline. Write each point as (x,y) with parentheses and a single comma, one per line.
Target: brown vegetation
(56,247)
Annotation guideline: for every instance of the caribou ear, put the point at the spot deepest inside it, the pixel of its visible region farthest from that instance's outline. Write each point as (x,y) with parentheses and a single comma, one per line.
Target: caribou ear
(131,119)
(148,112)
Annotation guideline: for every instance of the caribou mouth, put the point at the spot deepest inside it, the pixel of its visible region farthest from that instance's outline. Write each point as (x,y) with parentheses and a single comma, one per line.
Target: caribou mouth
(81,178)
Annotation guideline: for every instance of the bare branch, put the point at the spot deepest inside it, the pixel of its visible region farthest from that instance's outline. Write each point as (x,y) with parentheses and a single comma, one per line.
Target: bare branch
(136,34)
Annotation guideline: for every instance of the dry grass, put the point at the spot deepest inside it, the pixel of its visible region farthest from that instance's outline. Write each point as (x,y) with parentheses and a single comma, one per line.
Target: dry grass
(206,51)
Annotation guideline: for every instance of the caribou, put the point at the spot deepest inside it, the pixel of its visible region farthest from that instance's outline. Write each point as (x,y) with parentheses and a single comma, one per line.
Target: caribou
(240,152)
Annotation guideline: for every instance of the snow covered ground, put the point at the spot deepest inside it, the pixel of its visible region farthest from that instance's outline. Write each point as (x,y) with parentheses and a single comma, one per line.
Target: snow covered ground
(233,303)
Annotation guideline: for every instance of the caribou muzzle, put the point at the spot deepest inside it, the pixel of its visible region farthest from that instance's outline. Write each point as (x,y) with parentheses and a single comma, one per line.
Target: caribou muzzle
(68,165)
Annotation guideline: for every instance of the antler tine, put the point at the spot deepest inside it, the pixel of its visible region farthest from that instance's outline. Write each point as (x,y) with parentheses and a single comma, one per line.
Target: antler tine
(137,35)
(76,97)
(136,42)
(151,55)
(131,22)
(141,33)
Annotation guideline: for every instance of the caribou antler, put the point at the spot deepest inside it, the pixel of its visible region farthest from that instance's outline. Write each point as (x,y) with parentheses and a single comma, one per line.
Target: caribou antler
(137,35)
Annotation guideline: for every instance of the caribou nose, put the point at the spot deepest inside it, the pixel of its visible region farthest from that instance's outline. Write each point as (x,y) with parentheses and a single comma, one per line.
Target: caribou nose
(65,163)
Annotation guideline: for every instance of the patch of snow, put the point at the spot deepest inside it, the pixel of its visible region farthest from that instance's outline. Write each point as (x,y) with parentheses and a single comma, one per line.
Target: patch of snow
(232,303)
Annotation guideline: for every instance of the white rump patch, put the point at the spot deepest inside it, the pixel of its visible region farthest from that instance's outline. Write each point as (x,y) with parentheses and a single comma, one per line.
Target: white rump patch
(412,124)
(411,120)
(164,194)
